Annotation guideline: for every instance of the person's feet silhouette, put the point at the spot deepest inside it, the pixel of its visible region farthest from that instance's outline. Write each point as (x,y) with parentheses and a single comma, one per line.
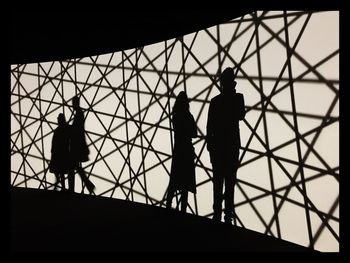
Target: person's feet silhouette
(91,187)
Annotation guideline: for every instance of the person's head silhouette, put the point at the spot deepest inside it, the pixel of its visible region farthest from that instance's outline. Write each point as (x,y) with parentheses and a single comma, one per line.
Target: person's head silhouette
(75,102)
(181,103)
(227,80)
(61,119)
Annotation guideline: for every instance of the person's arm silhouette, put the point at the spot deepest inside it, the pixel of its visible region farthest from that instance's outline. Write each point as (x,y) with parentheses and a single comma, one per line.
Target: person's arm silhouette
(241,109)
(209,128)
(193,127)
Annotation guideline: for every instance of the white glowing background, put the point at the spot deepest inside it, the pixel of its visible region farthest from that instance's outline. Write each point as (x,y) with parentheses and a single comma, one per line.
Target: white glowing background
(270,180)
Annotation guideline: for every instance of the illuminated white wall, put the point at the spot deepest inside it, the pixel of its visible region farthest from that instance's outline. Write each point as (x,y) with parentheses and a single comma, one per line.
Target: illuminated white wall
(128,97)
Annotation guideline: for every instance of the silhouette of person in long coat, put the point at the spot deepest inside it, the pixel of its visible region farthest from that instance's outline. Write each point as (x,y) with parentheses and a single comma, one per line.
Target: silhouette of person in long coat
(182,174)
(79,151)
(60,162)
(223,143)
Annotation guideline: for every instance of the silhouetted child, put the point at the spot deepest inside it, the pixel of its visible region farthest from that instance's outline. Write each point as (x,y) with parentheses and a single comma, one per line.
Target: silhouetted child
(60,159)
(182,175)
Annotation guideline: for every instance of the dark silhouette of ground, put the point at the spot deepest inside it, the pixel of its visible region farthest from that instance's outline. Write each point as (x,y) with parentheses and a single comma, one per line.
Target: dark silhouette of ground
(44,220)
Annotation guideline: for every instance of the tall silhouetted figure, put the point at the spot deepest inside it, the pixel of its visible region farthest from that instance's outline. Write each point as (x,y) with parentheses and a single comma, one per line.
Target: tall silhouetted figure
(223,143)
(79,150)
(182,174)
(60,162)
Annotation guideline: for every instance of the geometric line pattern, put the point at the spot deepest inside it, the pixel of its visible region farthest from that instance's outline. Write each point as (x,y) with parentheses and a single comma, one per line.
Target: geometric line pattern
(287,68)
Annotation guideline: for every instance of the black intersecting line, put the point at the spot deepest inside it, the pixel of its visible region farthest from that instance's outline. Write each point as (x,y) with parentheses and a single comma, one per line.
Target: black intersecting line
(30,145)
(93,99)
(272,184)
(295,122)
(146,83)
(287,122)
(139,131)
(117,148)
(309,147)
(275,86)
(325,119)
(144,142)
(141,185)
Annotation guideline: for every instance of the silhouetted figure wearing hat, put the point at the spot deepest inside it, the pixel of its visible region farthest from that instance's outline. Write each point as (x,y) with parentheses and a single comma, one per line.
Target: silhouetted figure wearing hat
(60,162)
(182,174)
(223,143)
(79,151)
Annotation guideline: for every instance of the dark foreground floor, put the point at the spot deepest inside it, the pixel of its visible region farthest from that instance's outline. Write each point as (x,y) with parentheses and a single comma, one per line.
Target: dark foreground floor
(44,220)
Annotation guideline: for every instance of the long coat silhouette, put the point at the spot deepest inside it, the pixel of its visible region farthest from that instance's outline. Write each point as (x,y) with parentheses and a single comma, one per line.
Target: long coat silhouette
(182,174)
(60,162)
(79,151)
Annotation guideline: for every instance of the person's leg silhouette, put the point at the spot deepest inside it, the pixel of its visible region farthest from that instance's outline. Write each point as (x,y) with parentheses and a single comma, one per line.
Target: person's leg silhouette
(184,197)
(230,179)
(229,186)
(217,193)
(57,181)
(71,180)
(89,185)
(62,181)
(170,195)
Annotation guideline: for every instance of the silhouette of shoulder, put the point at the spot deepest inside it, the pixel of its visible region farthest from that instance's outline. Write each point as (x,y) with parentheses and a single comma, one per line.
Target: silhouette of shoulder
(216,99)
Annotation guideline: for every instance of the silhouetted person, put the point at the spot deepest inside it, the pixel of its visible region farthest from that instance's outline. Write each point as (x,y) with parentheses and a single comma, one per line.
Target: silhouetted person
(60,161)
(182,174)
(223,143)
(79,151)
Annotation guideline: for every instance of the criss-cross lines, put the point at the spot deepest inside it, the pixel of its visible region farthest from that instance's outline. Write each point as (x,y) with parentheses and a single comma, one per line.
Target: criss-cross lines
(289,135)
